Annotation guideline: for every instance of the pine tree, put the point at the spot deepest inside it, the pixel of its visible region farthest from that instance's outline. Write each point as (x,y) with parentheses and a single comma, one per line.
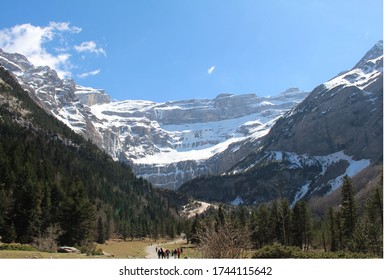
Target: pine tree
(9,233)
(374,221)
(332,229)
(194,230)
(100,232)
(219,218)
(281,221)
(107,226)
(155,231)
(77,217)
(275,223)
(348,210)
(300,226)
(172,230)
(260,226)
(285,217)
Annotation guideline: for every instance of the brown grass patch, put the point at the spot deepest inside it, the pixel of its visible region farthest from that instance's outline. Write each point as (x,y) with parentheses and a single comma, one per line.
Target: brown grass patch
(113,248)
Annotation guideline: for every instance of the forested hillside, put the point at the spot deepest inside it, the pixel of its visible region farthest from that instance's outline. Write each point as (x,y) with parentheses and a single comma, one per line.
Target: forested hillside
(51,179)
(353,229)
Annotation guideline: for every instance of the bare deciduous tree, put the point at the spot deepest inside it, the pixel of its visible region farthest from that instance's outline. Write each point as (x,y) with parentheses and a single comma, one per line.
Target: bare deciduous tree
(224,240)
(47,241)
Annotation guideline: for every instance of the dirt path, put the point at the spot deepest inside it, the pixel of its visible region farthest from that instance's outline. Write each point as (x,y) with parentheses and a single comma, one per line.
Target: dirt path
(151,252)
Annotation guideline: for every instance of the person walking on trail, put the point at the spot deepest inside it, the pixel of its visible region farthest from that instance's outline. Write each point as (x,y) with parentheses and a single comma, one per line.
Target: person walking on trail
(160,253)
(167,253)
(178,253)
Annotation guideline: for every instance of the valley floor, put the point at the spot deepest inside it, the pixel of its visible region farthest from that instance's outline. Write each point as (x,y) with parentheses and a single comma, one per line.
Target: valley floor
(114,248)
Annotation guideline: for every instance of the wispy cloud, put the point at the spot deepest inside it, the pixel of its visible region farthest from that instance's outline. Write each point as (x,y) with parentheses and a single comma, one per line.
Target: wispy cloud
(30,41)
(211,69)
(91,47)
(88,74)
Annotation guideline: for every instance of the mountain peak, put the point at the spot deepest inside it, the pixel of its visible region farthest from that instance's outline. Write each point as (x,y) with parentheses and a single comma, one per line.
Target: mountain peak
(375,52)
(365,72)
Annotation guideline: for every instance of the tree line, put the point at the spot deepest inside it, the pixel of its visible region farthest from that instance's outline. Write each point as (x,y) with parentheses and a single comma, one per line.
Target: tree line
(278,229)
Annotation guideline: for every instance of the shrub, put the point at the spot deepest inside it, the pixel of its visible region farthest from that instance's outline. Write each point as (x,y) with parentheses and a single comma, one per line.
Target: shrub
(278,251)
(17,247)
(91,249)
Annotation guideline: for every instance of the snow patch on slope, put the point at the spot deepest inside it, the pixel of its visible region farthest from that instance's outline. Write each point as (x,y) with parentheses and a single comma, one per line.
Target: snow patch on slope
(195,208)
(301,193)
(358,77)
(353,168)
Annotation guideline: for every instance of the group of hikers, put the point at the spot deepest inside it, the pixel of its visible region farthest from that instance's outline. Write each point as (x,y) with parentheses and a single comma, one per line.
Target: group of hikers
(164,254)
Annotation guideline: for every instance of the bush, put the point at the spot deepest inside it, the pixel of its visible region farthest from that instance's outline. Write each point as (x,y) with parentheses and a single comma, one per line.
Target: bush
(17,247)
(91,249)
(278,251)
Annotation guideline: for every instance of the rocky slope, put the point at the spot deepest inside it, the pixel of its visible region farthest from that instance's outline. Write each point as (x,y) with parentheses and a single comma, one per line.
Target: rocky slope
(337,130)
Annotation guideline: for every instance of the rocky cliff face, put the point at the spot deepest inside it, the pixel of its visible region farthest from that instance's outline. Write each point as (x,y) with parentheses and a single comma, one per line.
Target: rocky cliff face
(343,114)
(90,96)
(170,143)
(337,130)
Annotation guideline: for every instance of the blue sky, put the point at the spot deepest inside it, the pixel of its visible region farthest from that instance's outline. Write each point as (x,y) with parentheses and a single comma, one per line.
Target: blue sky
(181,49)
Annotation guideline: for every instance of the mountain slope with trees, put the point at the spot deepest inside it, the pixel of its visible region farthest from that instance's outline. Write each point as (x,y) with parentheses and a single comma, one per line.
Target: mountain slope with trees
(54,181)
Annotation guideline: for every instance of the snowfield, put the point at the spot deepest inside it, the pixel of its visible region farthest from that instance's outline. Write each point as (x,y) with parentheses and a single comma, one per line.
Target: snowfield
(141,122)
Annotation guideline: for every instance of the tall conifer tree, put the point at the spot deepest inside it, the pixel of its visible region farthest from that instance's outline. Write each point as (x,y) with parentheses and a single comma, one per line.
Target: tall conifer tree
(348,209)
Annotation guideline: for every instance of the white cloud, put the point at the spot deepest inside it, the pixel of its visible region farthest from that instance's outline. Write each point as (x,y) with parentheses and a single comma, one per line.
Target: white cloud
(91,47)
(211,69)
(29,40)
(65,26)
(88,74)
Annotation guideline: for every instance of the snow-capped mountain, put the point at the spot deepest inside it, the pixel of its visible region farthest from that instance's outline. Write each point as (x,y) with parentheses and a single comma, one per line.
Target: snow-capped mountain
(59,97)
(168,143)
(337,130)
(172,142)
